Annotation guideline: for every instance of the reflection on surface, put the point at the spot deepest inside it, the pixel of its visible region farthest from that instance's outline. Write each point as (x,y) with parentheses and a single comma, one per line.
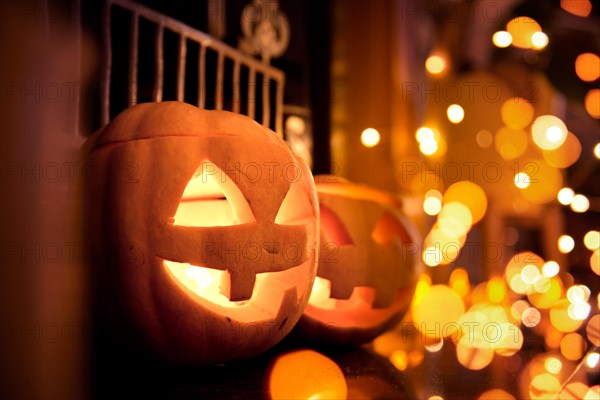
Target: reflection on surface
(495,394)
(306,374)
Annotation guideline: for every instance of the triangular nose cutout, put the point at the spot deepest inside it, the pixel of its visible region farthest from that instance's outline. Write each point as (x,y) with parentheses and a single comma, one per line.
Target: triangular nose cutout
(211,198)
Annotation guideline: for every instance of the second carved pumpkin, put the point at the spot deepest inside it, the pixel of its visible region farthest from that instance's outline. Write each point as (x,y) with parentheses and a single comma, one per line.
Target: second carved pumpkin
(369,264)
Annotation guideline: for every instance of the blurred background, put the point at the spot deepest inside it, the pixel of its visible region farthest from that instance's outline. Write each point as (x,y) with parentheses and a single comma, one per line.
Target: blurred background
(483,116)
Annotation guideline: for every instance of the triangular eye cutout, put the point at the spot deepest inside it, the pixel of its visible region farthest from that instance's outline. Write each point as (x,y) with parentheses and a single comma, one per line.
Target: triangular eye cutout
(296,207)
(211,198)
(388,228)
(333,227)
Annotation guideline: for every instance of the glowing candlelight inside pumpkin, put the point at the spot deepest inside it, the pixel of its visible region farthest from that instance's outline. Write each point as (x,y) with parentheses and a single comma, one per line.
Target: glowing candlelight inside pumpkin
(366,276)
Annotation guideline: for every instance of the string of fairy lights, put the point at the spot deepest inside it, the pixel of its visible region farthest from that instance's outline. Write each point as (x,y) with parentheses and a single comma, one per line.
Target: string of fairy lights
(534,296)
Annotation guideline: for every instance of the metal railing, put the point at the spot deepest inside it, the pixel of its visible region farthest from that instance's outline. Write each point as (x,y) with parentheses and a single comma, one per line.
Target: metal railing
(206,42)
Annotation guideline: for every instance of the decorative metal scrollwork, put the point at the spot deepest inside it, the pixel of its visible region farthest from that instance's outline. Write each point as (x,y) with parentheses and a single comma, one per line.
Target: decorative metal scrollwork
(266,29)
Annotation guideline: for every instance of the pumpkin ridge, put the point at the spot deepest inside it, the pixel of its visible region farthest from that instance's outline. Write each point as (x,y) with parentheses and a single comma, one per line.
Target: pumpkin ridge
(114,143)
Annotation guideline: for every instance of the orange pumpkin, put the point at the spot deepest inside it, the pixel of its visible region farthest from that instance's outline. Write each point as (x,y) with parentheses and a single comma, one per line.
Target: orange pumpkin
(202,225)
(368,265)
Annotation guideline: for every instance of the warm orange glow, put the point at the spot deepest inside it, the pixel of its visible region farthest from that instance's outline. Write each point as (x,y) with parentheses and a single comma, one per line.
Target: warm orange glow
(592,103)
(587,66)
(428,147)
(566,244)
(565,155)
(306,374)
(517,284)
(580,8)
(592,330)
(455,113)
(510,143)
(595,261)
(580,203)
(560,319)
(459,282)
(579,311)
(469,194)
(545,181)
(436,64)
(370,137)
(502,39)
(439,305)
(542,285)
(522,180)
(573,346)
(343,313)
(388,342)
(565,196)
(355,191)
(495,394)
(549,132)
(591,240)
(552,337)
(517,308)
(544,386)
(473,357)
(597,150)
(423,286)
(524,260)
(426,134)
(574,391)
(496,290)
(432,205)
(522,30)
(203,281)
(510,341)
(517,113)
(432,256)
(550,269)
(320,294)
(539,40)
(434,347)
(415,358)
(578,294)
(399,359)
(553,365)
(593,393)
(455,217)
(592,359)
(531,317)
(484,138)
(545,297)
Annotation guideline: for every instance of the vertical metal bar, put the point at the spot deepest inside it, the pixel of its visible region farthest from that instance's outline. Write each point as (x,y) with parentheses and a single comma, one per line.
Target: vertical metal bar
(236,86)
(266,101)
(219,88)
(279,109)
(133,61)
(202,78)
(216,18)
(159,61)
(251,92)
(76,16)
(181,67)
(105,82)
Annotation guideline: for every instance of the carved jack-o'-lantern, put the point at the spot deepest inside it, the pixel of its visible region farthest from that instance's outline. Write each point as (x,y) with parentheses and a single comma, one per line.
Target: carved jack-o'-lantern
(202,224)
(368,265)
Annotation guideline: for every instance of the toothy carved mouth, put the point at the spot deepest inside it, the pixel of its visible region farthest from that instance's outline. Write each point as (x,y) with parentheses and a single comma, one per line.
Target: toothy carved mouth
(272,290)
(357,310)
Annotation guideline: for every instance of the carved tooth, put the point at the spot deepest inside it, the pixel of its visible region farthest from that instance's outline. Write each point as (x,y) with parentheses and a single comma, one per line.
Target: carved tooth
(238,286)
